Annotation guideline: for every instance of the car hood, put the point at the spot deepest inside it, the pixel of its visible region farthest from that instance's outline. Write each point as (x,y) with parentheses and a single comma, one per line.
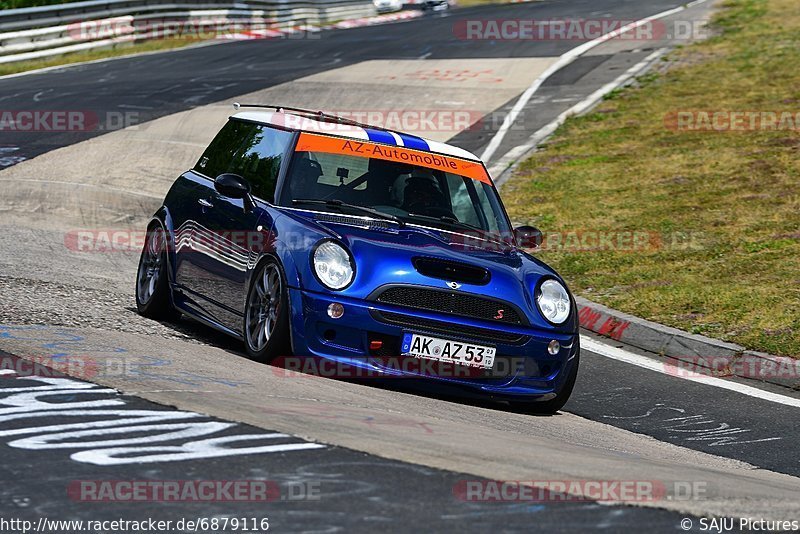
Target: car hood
(385,254)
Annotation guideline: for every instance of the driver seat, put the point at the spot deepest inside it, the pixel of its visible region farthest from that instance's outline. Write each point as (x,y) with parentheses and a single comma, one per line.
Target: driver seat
(422,191)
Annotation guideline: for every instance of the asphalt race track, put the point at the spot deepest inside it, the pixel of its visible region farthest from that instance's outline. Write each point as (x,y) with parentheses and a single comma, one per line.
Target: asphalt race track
(313,489)
(338,455)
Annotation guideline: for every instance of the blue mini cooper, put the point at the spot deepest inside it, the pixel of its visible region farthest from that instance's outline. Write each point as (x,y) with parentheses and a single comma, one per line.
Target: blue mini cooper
(308,235)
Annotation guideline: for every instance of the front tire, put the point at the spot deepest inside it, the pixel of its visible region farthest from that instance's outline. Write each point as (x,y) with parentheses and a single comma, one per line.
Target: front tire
(266,314)
(153,297)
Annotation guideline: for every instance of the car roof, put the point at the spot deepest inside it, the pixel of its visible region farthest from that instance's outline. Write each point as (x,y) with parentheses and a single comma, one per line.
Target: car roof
(362,133)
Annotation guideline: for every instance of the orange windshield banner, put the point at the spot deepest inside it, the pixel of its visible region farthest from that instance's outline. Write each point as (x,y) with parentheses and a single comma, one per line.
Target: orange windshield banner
(337,145)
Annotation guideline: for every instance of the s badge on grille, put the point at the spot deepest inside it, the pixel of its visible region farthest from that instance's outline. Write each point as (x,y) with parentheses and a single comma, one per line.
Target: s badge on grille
(453,285)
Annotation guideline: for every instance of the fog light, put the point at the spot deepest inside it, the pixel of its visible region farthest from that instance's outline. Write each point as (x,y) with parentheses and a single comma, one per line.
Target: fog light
(335,310)
(552,348)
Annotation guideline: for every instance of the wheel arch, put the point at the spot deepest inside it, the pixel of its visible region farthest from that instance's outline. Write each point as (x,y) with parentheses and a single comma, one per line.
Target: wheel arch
(163,218)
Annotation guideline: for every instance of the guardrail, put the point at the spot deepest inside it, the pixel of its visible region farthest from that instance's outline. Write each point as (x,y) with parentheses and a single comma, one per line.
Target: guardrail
(38,32)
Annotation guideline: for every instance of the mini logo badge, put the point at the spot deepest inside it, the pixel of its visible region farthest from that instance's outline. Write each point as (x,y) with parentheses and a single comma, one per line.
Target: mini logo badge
(499,314)
(453,285)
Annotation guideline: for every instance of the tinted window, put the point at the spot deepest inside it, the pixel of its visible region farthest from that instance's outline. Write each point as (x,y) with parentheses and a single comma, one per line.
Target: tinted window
(338,169)
(259,157)
(252,151)
(413,193)
(217,157)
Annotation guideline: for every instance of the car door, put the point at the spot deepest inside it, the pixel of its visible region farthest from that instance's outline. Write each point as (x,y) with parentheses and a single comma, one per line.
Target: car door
(187,213)
(235,228)
(191,209)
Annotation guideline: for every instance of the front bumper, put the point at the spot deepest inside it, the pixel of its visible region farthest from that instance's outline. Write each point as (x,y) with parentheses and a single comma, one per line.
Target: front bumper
(523,368)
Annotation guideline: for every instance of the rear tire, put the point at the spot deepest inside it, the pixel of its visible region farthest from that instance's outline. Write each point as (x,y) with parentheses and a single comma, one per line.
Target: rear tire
(153,297)
(552,406)
(266,314)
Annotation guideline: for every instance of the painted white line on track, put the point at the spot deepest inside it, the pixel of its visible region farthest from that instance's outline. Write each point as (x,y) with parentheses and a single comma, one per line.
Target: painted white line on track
(562,62)
(7,372)
(592,345)
(498,170)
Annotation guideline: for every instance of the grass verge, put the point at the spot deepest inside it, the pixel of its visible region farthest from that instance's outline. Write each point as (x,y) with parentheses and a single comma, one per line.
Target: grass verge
(91,55)
(717,213)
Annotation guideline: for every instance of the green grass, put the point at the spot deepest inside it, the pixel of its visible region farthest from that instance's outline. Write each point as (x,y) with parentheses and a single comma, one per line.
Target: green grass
(90,55)
(722,209)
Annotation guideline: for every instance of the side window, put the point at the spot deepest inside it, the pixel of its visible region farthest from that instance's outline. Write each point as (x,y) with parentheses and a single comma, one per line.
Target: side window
(466,209)
(491,212)
(252,151)
(463,206)
(258,159)
(217,157)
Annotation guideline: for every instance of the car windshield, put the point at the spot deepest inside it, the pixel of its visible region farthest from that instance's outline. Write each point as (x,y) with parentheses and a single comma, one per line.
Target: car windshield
(409,187)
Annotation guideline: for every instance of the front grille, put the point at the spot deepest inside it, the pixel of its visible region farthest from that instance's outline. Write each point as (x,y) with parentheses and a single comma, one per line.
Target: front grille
(439,327)
(462,304)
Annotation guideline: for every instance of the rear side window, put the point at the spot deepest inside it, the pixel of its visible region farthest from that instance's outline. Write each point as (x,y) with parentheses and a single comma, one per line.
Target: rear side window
(252,151)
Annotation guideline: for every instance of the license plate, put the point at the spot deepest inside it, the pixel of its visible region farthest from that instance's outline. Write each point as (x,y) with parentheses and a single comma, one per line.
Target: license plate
(444,350)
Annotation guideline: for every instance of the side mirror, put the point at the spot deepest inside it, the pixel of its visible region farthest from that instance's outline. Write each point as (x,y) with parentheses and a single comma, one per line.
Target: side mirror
(528,237)
(232,185)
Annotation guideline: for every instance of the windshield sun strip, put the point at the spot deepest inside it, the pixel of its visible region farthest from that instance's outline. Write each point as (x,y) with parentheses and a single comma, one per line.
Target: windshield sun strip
(475,170)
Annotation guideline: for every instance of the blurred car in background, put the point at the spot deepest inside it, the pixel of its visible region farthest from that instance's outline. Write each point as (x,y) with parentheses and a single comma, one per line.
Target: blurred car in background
(388,6)
(437,5)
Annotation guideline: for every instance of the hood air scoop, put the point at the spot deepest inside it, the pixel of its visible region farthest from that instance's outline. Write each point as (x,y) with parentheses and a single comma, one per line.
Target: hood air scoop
(452,271)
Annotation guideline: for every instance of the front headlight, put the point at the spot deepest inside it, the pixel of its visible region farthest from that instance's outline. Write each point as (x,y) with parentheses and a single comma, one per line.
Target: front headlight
(553,301)
(333,265)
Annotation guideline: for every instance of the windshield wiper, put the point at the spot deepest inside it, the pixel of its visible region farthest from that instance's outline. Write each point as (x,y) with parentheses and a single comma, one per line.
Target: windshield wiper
(452,221)
(355,207)
(455,223)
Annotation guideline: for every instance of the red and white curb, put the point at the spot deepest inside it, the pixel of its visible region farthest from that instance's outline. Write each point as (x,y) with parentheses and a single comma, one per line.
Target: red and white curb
(720,358)
(378,19)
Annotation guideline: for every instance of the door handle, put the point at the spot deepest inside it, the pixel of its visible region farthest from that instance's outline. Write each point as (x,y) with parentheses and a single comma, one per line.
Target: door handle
(205,203)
